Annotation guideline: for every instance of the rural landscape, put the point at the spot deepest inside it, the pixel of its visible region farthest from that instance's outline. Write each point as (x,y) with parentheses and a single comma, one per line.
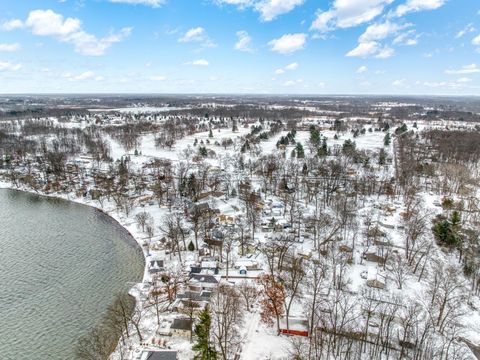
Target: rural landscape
(240,180)
(272,227)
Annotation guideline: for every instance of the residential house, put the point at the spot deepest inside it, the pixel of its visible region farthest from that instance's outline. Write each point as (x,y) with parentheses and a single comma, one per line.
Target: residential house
(181,328)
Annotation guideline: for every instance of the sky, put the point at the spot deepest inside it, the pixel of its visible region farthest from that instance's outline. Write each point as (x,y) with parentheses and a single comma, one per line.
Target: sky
(411,47)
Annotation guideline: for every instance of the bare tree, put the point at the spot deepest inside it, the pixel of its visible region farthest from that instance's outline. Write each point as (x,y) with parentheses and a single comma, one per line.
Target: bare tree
(143,218)
(227,318)
(399,270)
(249,292)
(292,276)
(98,344)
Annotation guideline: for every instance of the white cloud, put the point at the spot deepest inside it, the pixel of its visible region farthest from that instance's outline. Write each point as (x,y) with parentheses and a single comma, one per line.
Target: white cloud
(239,3)
(270,9)
(411,42)
(288,43)
(467,29)
(381,31)
(87,44)
(369,42)
(371,49)
(476,40)
(152,3)
(418,5)
(385,53)
(8,66)
(292,66)
(289,67)
(402,83)
(87,75)
(347,13)
(199,62)
(408,38)
(9,47)
(194,34)
(49,23)
(243,43)
(292,82)
(198,35)
(11,25)
(158,78)
(364,49)
(459,84)
(362,69)
(467,69)
(435,84)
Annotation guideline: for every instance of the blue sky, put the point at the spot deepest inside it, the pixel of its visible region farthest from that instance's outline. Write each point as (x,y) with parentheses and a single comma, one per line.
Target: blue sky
(240,46)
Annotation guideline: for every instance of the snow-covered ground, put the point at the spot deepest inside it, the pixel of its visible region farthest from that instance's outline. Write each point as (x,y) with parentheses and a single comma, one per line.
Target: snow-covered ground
(260,341)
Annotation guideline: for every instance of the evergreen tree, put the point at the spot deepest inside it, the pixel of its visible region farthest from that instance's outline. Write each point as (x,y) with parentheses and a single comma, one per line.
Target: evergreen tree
(447,231)
(349,147)
(202,332)
(300,151)
(386,139)
(382,157)
(401,129)
(314,136)
(323,151)
(202,151)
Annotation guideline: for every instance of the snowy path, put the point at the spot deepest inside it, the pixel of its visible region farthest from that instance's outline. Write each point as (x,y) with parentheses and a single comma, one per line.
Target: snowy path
(253,325)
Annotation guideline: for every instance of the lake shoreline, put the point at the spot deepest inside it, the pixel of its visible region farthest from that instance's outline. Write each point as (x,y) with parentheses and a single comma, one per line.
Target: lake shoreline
(133,240)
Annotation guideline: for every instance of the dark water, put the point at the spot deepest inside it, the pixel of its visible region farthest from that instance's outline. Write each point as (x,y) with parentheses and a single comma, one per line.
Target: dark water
(61,264)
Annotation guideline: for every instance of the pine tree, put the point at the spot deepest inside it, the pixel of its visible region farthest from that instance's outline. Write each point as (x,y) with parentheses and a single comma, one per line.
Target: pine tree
(314,136)
(300,151)
(203,151)
(382,157)
(386,139)
(202,332)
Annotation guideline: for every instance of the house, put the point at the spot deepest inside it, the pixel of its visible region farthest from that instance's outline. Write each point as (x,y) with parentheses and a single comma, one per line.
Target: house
(205,281)
(192,300)
(200,208)
(246,263)
(207,266)
(159,355)
(214,244)
(198,296)
(373,257)
(181,327)
(156,266)
(226,220)
(375,284)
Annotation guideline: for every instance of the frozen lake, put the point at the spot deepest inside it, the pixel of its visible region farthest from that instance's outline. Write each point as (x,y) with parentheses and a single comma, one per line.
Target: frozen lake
(61,265)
